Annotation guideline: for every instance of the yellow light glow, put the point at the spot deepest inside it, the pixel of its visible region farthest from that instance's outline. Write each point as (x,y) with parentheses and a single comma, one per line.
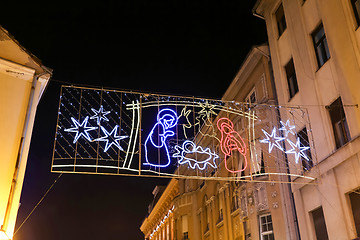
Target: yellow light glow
(4,236)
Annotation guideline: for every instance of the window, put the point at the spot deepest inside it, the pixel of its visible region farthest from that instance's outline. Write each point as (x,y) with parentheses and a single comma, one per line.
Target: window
(235,202)
(339,124)
(319,224)
(304,141)
(262,164)
(320,45)
(221,213)
(259,164)
(257,157)
(291,78)
(247,231)
(251,98)
(221,216)
(280,19)
(266,227)
(355,206)
(206,216)
(185,231)
(356,8)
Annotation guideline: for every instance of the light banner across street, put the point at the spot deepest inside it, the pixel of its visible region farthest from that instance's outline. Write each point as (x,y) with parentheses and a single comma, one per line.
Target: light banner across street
(101,131)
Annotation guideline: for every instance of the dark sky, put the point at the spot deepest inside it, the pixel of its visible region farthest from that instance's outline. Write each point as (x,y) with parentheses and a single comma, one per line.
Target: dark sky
(191,48)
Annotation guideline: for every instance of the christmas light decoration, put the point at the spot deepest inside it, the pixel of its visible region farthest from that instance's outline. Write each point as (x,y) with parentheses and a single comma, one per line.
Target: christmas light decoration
(207,109)
(272,140)
(230,141)
(297,150)
(80,129)
(204,121)
(111,138)
(133,137)
(185,113)
(186,133)
(287,128)
(162,221)
(100,114)
(218,107)
(188,152)
(156,141)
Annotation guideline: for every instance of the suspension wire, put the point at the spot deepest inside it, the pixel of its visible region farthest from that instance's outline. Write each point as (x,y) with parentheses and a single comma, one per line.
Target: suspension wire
(38,203)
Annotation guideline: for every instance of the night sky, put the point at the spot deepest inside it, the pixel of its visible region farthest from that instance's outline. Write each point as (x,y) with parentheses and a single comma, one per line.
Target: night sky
(191,48)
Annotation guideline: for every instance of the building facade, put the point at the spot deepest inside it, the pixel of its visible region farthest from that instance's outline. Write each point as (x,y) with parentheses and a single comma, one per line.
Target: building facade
(23,80)
(160,222)
(252,207)
(315,54)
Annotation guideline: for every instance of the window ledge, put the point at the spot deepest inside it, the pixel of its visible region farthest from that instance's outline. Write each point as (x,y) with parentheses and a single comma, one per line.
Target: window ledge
(282,34)
(220,223)
(325,63)
(352,140)
(235,212)
(335,158)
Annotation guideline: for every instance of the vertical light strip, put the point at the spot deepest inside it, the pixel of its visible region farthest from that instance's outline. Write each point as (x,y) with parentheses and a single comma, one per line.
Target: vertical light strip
(251,152)
(256,164)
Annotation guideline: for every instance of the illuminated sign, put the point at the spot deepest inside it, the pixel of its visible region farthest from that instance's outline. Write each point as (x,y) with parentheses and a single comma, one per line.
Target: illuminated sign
(114,132)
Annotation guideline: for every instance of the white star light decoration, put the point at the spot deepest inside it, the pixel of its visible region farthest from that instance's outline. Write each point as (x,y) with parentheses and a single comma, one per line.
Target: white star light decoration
(297,150)
(287,128)
(111,138)
(100,114)
(272,140)
(80,129)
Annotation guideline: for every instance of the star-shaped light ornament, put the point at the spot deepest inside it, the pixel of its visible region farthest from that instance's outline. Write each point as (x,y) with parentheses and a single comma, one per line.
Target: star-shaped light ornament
(100,114)
(111,138)
(298,150)
(207,109)
(80,129)
(272,140)
(287,128)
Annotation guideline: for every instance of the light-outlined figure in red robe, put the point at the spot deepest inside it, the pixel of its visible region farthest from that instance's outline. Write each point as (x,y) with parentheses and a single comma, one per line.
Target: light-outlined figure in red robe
(231,141)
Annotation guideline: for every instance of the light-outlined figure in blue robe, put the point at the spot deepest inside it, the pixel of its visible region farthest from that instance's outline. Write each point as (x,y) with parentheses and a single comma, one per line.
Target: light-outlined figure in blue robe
(156,150)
